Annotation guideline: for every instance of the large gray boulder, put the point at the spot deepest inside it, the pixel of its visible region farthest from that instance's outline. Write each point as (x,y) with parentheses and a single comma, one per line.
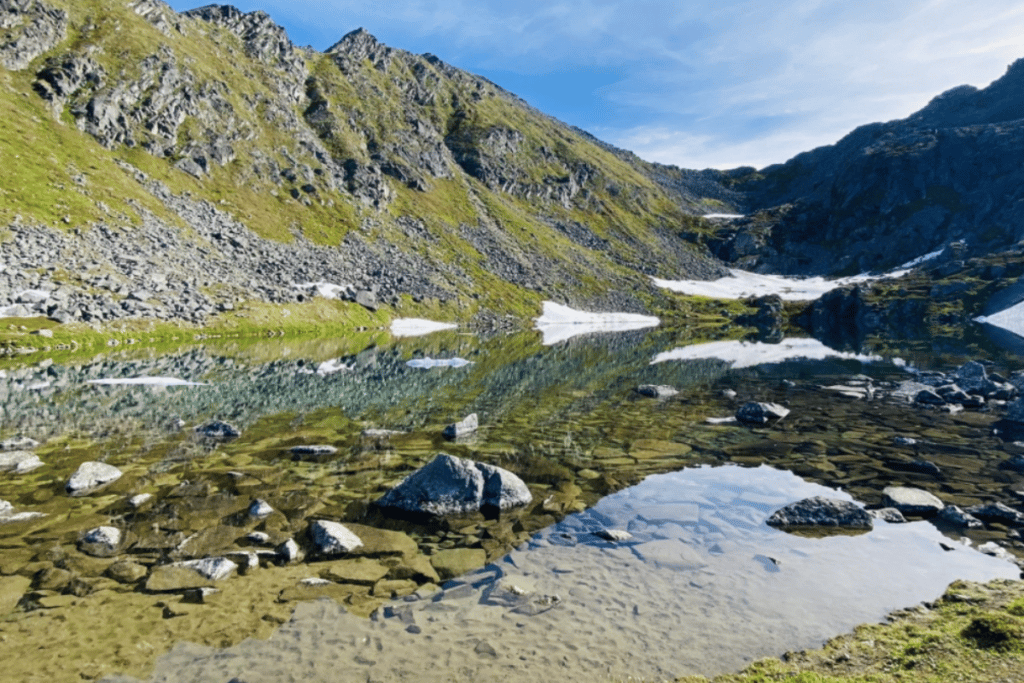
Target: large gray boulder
(91,476)
(448,486)
(819,511)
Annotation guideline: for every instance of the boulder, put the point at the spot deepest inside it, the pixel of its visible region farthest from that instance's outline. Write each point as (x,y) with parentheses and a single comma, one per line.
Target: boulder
(19,462)
(260,509)
(890,515)
(819,511)
(91,476)
(912,501)
(289,551)
(613,535)
(190,574)
(103,541)
(997,512)
(18,443)
(215,429)
(448,485)
(12,588)
(466,426)
(359,570)
(332,538)
(957,517)
(753,412)
(658,391)
(973,379)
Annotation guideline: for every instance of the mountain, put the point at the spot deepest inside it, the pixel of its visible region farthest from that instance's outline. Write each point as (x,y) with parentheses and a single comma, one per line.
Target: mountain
(170,166)
(889,192)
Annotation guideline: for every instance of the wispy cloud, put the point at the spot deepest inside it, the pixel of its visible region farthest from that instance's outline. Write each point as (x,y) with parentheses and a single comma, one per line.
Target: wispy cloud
(705,82)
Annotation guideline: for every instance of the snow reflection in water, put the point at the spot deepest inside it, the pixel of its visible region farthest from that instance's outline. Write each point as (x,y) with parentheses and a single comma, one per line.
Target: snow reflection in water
(703,586)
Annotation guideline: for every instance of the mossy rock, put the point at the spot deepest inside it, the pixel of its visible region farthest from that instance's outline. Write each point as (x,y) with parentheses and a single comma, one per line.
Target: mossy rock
(1001,632)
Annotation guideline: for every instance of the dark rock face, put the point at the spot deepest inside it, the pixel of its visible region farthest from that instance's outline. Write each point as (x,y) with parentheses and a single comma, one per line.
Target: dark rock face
(889,192)
(820,511)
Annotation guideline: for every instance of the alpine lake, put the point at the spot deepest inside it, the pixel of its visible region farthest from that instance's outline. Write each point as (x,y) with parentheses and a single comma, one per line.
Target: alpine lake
(701,586)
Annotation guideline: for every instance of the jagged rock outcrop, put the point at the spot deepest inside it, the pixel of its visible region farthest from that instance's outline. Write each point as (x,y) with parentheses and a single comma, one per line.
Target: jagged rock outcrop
(889,192)
(28,28)
(419,178)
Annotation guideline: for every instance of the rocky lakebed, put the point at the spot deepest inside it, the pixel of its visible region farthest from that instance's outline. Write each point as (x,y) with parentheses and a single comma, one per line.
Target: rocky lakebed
(456,506)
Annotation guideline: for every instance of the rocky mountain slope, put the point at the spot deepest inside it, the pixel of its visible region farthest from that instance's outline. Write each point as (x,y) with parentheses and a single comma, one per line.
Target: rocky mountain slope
(889,192)
(165,165)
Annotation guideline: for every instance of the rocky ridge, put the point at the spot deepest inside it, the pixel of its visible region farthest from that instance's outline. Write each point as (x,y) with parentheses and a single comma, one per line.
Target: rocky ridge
(942,178)
(209,134)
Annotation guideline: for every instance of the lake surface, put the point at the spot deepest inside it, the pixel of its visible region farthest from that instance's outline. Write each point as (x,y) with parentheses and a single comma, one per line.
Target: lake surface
(703,586)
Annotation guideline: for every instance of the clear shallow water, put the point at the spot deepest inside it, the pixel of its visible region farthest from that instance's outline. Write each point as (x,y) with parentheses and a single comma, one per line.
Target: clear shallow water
(703,586)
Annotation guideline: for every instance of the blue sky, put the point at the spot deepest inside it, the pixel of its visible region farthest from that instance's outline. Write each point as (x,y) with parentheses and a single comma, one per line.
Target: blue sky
(696,83)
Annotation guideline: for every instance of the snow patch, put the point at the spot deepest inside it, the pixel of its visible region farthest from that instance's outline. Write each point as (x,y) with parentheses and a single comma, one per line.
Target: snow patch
(415,327)
(328,290)
(741,354)
(438,362)
(149,381)
(730,216)
(742,284)
(558,323)
(329,367)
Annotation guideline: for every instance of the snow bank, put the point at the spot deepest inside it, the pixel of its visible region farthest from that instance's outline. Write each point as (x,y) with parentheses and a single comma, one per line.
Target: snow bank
(428,362)
(558,323)
(742,284)
(730,216)
(415,327)
(1010,319)
(327,290)
(741,354)
(149,381)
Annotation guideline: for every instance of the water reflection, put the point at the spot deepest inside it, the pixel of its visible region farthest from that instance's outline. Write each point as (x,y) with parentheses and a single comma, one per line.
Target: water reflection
(703,586)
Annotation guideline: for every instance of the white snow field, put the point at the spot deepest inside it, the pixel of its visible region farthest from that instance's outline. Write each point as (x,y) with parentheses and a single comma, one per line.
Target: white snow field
(558,323)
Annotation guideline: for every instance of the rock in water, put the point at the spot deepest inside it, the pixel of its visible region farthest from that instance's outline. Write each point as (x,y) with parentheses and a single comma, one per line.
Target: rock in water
(468,425)
(819,511)
(656,391)
(760,413)
(912,501)
(332,538)
(91,476)
(448,485)
(103,541)
(19,462)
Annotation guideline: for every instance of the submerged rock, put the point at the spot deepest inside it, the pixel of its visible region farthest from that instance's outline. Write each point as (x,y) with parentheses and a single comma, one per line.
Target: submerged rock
(997,512)
(260,509)
(91,476)
(819,511)
(448,485)
(753,412)
(312,452)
